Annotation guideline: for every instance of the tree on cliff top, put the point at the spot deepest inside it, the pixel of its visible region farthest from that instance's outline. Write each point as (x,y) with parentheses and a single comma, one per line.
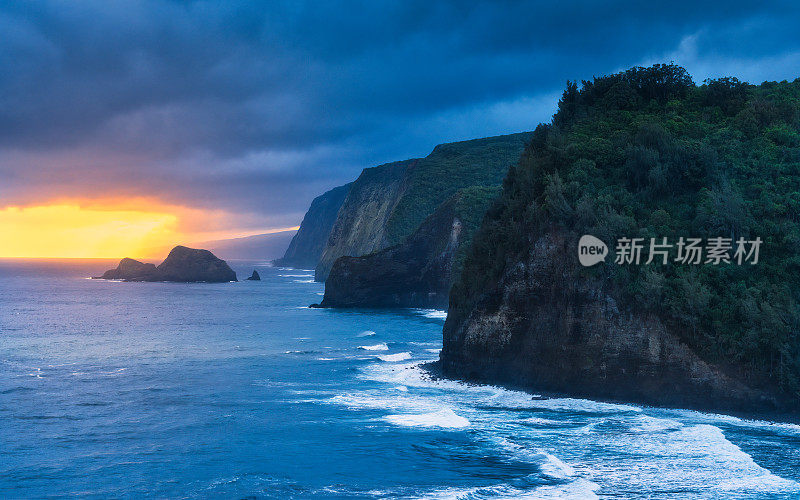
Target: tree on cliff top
(647,153)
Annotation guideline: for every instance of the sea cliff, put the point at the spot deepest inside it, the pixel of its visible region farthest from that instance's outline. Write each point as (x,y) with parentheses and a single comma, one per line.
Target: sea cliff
(417,272)
(361,221)
(307,244)
(648,154)
(387,204)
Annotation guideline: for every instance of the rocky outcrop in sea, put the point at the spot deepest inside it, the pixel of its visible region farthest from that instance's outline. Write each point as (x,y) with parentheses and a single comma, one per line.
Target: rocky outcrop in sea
(183,264)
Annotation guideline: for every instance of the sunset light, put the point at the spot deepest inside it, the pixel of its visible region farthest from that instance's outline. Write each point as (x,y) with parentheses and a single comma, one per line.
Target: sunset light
(518,249)
(73,231)
(91,229)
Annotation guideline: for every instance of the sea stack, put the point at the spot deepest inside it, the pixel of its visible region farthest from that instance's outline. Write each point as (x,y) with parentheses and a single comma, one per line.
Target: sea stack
(254,277)
(130,270)
(190,264)
(183,264)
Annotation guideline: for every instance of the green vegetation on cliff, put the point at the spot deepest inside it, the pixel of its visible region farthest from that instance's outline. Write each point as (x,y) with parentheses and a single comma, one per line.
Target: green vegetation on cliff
(450,167)
(471,204)
(646,153)
(387,204)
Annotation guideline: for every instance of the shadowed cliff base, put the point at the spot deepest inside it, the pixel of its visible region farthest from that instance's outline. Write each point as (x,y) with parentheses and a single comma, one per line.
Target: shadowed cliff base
(419,272)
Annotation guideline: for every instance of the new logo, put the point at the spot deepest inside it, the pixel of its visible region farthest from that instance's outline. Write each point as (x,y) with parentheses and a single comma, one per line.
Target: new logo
(591,250)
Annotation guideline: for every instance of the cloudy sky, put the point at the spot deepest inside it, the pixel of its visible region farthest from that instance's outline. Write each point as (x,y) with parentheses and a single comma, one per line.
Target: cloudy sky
(252,109)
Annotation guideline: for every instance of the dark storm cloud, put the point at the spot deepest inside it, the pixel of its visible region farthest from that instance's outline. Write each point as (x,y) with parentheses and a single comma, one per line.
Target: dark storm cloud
(258,106)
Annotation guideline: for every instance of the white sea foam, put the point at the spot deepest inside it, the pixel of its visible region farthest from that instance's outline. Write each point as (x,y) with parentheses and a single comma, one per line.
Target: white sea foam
(537,421)
(727,467)
(381,400)
(649,450)
(391,358)
(550,466)
(679,456)
(717,419)
(445,417)
(579,489)
(433,313)
(296,275)
(413,375)
(645,423)
(304,281)
(556,469)
(434,351)
(366,333)
(377,347)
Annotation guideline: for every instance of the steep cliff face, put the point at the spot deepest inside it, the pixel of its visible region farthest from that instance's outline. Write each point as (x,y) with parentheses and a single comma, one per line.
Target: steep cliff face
(547,327)
(360,225)
(388,203)
(643,154)
(306,246)
(417,272)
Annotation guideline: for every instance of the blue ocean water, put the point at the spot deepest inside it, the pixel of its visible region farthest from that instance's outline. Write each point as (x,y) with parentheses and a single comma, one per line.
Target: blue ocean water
(238,390)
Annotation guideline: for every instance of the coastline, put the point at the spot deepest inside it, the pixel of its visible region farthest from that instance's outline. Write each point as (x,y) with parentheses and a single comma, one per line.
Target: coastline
(435,370)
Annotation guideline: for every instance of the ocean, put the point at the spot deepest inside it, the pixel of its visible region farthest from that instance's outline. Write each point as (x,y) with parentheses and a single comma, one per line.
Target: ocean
(239,390)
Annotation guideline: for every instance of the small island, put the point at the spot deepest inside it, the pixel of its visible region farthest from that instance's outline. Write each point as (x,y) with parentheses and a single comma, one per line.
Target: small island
(183,265)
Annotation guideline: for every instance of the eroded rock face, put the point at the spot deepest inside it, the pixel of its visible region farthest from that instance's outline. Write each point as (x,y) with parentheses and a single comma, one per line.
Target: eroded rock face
(386,204)
(183,264)
(549,328)
(306,246)
(255,276)
(192,264)
(130,270)
(416,273)
(360,225)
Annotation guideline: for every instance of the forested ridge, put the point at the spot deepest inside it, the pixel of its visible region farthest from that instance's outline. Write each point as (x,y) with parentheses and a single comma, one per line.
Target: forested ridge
(647,153)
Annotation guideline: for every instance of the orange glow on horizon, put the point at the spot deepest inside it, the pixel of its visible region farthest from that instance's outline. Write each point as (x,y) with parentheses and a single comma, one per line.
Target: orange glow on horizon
(110,229)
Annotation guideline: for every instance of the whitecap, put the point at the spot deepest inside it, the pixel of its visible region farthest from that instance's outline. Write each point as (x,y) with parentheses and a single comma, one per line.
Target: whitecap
(366,333)
(644,423)
(445,418)
(391,358)
(433,313)
(381,400)
(579,489)
(377,347)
